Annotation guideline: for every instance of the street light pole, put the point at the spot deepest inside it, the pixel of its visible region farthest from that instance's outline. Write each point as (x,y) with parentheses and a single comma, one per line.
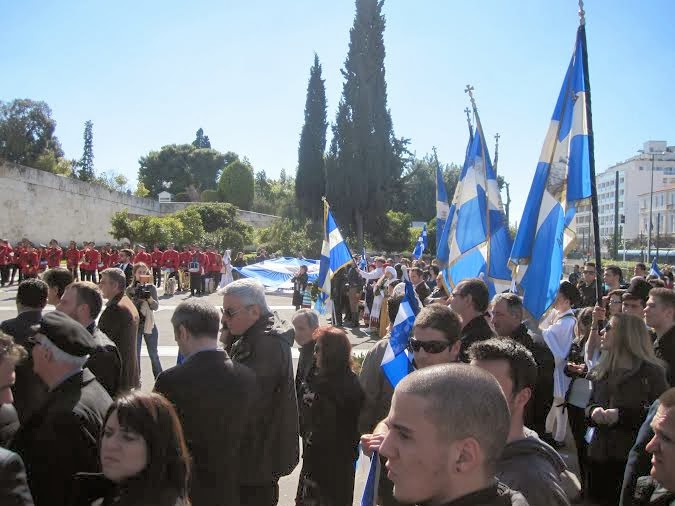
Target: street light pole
(651,205)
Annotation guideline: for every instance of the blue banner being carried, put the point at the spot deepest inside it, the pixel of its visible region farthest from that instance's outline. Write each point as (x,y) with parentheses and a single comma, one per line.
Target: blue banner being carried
(421,244)
(562,179)
(476,242)
(654,270)
(334,256)
(442,207)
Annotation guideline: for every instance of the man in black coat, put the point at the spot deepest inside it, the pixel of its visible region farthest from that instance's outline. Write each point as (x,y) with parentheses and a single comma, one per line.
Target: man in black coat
(29,392)
(263,343)
(660,315)
(126,265)
(470,300)
(82,301)
(61,438)
(213,397)
(417,279)
(14,489)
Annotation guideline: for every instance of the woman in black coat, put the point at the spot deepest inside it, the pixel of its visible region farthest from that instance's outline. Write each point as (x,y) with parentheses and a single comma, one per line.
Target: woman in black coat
(144,458)
(299,286)
(330,404)
(626,381)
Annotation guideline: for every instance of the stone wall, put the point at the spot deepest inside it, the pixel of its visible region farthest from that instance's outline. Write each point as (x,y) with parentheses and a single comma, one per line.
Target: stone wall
(41,206)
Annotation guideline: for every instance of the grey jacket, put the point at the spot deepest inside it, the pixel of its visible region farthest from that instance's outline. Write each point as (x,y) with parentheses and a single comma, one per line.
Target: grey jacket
(532,467)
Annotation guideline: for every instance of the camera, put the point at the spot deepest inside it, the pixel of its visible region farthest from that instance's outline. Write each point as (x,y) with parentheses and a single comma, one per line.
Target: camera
(142,292)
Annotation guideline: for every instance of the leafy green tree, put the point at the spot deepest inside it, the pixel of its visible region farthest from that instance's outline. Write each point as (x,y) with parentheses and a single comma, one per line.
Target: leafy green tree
(27,132)
(121,226)
(395,236)
(262,185)
(86,163)
(310,180)
(48,162)
(141,190)
(292,238)
(367,159)
(202,141)
(236,184)
(210,196)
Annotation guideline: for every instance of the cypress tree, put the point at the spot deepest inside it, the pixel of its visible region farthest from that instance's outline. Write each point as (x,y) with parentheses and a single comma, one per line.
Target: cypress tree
(310,180)
(86,163)
(365,156)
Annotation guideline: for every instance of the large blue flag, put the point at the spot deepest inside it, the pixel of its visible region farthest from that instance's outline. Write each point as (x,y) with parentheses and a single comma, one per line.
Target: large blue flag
(561,180)
(334,256)
(421,244)
(442,207)
(655,271)
(395,363)
(475,241)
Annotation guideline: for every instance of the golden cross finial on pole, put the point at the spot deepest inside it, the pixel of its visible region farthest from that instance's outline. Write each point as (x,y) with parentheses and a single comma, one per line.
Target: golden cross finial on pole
(469,90)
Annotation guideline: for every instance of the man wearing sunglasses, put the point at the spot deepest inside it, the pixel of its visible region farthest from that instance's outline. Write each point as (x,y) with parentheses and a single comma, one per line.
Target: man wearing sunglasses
(263,343)
(435,338)
(470,300)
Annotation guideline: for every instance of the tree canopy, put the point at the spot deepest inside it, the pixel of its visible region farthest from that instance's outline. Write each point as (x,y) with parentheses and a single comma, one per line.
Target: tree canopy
(86,163)
(236,184)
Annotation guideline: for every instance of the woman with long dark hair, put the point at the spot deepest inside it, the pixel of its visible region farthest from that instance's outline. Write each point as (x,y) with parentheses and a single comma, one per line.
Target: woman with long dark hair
(330,403)
(144,458)
(627,379)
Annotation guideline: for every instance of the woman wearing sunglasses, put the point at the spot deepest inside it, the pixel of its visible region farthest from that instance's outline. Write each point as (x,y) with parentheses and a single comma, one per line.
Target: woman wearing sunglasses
(626,380)
(330,403)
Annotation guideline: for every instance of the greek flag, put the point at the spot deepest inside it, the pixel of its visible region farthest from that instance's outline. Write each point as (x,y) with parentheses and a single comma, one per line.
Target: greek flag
(655,271)
(442,207)
(395,363)
(475,241)
(334,256)
(421,244)
(561,180)
(363,263)
(369,497)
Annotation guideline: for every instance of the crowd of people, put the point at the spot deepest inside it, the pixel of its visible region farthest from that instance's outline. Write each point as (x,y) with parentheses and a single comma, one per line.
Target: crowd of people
(479,419)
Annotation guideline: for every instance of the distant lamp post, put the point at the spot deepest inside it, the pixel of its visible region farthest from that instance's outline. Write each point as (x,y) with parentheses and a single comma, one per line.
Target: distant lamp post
(651,204)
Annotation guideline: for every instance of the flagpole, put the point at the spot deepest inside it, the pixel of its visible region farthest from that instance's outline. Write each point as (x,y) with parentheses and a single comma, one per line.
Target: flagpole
(591,146)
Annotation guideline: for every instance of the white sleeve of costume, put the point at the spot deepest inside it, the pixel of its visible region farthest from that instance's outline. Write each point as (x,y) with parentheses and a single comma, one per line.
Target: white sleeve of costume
(376,274)
(558,337)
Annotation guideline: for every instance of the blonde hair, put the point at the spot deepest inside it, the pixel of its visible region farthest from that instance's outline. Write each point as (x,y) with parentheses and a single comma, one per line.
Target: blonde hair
(630,339)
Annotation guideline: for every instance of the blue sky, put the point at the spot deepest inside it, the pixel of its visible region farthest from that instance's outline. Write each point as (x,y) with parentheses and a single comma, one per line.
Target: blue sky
(151,73)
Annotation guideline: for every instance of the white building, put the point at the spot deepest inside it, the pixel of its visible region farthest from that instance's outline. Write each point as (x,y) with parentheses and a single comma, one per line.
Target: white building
(634,177)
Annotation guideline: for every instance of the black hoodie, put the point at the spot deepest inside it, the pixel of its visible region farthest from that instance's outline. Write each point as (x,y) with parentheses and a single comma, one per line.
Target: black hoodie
(532,467)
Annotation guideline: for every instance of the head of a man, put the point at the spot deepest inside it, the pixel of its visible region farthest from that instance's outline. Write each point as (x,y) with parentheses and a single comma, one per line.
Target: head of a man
(659,311)
(10,355)
(470,298)
(305,321)
(112,282)
(589,273)
(243,304)
(635,297)
(640,269)
(568,295)
(514,367)
(448,425)
(195,324)
(32,295)
(662,445)
(125,256)
(612,276)
(435,338)
(415,275)
(57,280)
(507,313)
(82,301)
(60,345)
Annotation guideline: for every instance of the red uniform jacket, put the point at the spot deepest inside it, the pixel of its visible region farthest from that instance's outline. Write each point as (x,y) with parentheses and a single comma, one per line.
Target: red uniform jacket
(185,258)
(91,259)
(170,259)
(157,258)
(29,262)
(143,256)
(203,260)
(73,256)
(54,256)
(215,262)
(105,260)
(6,255)
(113,259)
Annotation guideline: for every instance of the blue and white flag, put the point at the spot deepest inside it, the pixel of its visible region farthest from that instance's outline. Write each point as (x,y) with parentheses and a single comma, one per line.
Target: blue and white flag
(655,271)
(396,363)
(421,244)
(334,256)
(476,241)
(442,207)
(561,180)
(369,497)
(363,263)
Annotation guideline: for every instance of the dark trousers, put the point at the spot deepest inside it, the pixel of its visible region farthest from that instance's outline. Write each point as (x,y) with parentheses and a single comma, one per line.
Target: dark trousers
(157,276)
(577,419)
(88,275)
(196,283)
(604,481)
(216,279)
(151,343)
(265,494)
(4,274)
(73,271)
(13,269)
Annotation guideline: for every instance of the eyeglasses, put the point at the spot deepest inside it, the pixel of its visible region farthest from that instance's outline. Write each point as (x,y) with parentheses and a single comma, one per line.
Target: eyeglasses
(615,301)
(428,346)
(228,313)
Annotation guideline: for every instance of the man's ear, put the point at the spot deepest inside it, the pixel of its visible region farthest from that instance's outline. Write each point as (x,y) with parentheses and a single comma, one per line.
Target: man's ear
(255,309)
(454,349)
(523,397)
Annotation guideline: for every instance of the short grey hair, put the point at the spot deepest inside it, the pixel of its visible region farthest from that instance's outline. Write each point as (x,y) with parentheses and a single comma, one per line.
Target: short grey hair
(249,291)
(199,318)
(116,276)
(61,356)
(514,303)
(463,401)
(311,316)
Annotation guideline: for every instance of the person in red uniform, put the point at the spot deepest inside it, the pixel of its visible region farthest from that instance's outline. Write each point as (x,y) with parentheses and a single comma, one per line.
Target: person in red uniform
(90,261)
(142,255)
(29,262)
(113,257)
(157,255)
(104,262)
(54,254)
(215,264)
(171,263)
(5,261)
(42,255)
(197,266)
(73,256)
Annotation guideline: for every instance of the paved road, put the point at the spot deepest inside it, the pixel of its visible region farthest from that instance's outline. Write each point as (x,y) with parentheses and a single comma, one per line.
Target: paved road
(168,350)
